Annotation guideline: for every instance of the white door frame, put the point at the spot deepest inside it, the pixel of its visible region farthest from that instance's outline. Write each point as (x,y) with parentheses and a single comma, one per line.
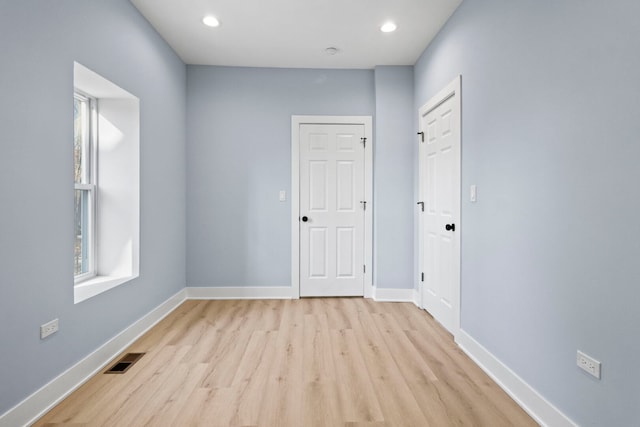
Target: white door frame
(452,89)
(296,122)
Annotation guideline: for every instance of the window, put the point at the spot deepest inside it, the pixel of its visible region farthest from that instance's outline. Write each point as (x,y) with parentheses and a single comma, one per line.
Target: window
(106,159)
(84,165)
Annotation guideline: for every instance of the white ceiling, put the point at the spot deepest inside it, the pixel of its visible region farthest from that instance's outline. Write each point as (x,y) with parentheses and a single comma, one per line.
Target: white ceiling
(295,33)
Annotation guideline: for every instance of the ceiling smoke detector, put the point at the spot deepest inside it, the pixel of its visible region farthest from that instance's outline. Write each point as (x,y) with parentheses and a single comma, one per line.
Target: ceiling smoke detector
(331,51)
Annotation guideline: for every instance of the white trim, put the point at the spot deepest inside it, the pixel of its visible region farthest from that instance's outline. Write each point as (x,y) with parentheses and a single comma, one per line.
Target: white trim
(97,285)
(239,292)
(39,403)
(296,121)
(392,295)
(453,89)
(295,207)
(116,178)
(417,298)
(540,409)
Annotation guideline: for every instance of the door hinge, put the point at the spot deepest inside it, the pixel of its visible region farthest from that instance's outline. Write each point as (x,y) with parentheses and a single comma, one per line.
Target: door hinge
(364,142)
(422,277)
(364,204)
(364,268)
(422,135)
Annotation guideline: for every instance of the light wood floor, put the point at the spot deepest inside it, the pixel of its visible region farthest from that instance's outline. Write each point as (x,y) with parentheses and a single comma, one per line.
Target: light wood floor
(309,362)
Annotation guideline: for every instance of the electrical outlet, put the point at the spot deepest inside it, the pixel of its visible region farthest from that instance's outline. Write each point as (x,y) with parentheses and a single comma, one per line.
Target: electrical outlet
(588,364)
(49,328)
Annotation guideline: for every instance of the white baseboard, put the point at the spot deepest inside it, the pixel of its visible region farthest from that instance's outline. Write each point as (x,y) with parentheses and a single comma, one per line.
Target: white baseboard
(416,298)
(35,406)
(529,399)
(281,292)
(392,295)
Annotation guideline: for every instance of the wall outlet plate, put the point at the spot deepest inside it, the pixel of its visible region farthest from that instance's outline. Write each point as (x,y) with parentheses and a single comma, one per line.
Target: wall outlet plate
(589,364)
(49,328)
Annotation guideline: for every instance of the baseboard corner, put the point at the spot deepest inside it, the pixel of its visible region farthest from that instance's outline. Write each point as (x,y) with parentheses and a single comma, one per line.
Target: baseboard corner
(416,298)
(392,295)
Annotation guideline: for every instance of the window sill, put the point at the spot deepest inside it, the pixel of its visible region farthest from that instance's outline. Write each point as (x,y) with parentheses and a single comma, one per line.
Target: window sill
(97,285)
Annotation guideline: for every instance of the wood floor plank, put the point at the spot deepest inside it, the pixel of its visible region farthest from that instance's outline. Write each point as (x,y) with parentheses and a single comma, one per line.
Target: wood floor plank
(174,397)
(403,350)
(124,408)
(293,363)
(338,318)
(252,381)
(421,380)
(358,400)
(283,404)
(189,416)
(269,315)
(184,378)
(319,365)
(469,387)
(225,360)
(396,399)
(321,400)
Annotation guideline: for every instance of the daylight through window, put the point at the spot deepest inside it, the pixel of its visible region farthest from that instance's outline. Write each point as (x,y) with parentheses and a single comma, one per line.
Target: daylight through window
(85,186)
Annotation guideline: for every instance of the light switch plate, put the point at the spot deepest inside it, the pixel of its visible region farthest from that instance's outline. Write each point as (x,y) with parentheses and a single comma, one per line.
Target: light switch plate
(283,195)
(473,193)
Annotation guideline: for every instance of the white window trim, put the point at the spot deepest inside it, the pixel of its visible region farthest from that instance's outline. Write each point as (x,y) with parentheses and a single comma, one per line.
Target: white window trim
(97,285)
(117,206)
(92,187)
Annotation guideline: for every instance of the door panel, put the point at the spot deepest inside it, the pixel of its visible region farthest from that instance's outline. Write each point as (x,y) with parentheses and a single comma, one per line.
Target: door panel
(345,256)
(331,189)
(440,191)
(318,196)
(345,181)
(318,256)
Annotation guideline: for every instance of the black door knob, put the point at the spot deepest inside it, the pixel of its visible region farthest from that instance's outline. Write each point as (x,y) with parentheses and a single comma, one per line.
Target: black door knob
(450,227)
(305,219)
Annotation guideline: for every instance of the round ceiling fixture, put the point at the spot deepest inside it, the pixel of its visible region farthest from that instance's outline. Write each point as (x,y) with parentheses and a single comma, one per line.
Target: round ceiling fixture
(388,27)
(331,51)
(211,21)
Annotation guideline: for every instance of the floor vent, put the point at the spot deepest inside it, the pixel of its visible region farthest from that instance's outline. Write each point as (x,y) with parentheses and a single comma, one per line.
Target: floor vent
(124,363)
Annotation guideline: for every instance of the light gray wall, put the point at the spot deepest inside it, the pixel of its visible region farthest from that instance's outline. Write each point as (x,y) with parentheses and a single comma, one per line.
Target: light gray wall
(394,199)
(39,40)
(239,157)
(550,135)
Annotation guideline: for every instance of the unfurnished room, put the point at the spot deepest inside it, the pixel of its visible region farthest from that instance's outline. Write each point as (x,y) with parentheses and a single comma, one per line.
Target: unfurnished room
(319,213)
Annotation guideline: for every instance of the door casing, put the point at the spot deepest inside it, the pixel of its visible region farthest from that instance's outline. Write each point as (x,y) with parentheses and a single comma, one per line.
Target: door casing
(453,89)
(296,122)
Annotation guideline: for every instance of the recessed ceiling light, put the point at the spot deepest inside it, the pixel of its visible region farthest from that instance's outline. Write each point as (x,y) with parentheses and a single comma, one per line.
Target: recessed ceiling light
(210,21)
(388,27)
(331,51)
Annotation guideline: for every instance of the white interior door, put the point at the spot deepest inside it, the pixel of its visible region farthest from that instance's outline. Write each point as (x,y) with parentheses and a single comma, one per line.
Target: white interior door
(440,192)
(332,209)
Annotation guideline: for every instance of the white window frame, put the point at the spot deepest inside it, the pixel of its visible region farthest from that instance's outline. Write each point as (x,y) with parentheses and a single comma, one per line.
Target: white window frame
(90,154)
(116,207)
